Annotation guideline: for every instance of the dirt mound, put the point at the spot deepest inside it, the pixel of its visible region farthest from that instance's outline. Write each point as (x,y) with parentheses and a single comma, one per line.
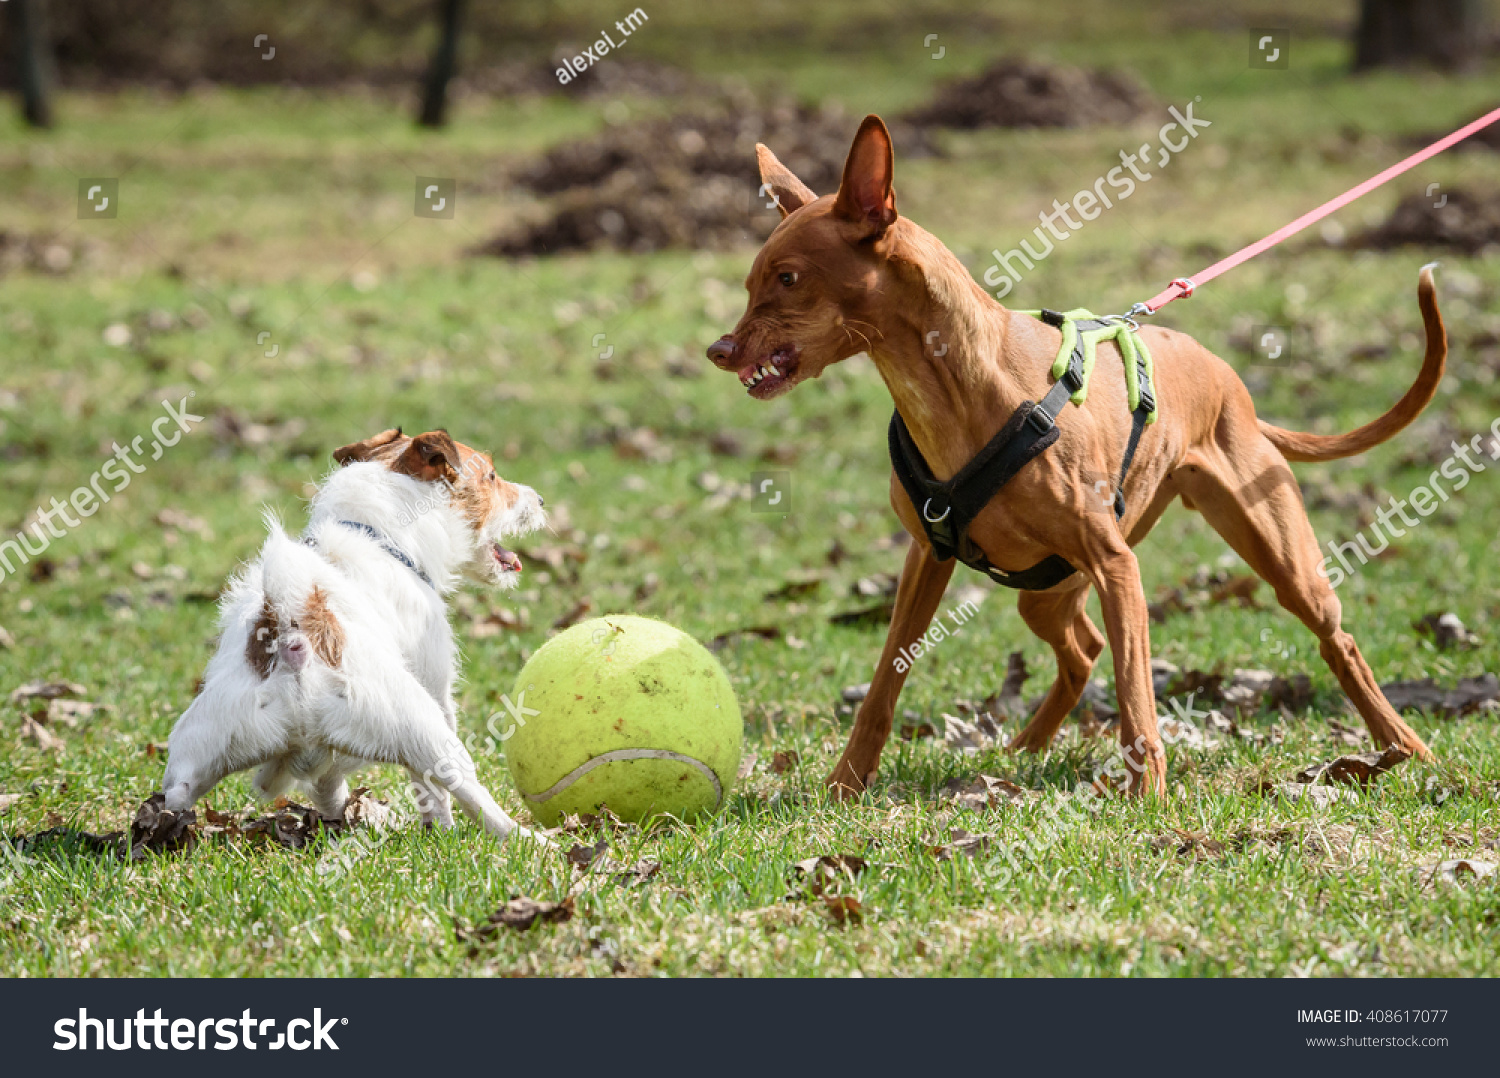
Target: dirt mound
(1465,221)
(1016,92)
(688,180)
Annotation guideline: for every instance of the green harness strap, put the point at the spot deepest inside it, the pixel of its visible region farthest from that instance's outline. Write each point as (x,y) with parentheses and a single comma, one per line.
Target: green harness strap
(1133,352)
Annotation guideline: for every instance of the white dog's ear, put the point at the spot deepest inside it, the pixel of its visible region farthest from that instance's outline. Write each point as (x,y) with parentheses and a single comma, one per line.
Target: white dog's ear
(367,449)
(776,179)
(430,457)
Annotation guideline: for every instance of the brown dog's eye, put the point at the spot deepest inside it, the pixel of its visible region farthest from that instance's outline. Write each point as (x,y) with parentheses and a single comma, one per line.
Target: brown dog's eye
(789,279)
(493,477)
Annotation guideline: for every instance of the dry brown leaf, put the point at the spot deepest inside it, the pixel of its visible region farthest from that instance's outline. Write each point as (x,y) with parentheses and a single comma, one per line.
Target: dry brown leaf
(983,792)
(1446,630)
(1192,844)
(44,738)
(520,913)
(820,875)
(1469,694)
(46,690)
(844,909)
(785,761)
(1356,769)
(156,830)
(961,842)
(7,800)
(580,610)
(1320,796)
(1458,870)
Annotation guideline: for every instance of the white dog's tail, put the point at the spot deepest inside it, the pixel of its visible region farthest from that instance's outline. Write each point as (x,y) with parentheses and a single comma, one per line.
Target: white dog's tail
(297,621)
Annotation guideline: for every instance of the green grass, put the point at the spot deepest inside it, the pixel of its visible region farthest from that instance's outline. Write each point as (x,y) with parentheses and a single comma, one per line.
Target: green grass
(250,211)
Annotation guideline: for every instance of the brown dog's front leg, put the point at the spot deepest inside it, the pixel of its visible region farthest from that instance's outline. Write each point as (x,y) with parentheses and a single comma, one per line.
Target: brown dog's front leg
(923,581)
(1127,624)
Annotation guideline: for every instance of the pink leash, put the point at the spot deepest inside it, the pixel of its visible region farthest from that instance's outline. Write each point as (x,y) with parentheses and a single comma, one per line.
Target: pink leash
(1184,286)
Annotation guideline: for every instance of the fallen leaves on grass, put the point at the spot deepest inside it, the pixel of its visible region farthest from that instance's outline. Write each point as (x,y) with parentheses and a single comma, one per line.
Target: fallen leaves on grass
(734,636)
(982,733)
(157,830)
(784,761)
(581,823)
(1320,796)
(867,617)
(1446,630)
(6,801)
(1358,769)
(844,909)
(576,613)
(1204,588)
(520,913)
(45,740)
(1457,871)
(498,620)
(1353,736)
(961,842)
(1468,695)
(983,792)
(289,825)
(1193,844)
(796,588)
(917,731)
(46,690)
(825,873)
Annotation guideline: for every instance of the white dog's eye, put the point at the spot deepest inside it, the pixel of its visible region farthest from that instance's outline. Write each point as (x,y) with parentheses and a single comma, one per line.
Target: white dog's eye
(493,477)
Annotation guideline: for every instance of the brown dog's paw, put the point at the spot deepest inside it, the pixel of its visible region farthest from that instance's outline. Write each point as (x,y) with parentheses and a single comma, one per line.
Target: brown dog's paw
(844,784)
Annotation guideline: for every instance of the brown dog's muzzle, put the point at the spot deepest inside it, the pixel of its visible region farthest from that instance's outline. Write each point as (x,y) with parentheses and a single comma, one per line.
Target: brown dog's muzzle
(721,353)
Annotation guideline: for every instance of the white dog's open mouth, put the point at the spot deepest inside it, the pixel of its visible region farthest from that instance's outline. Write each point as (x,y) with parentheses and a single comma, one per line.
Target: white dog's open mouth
(508,561)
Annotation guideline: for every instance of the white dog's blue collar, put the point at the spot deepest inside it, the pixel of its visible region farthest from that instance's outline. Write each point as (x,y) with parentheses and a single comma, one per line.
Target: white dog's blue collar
(385,544)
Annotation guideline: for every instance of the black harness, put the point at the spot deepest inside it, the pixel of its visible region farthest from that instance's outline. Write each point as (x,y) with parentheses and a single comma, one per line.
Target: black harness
(947,508)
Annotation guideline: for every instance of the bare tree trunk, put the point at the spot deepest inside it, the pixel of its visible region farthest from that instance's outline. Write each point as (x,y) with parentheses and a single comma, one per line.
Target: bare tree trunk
(444,60)
(1398,33)
(33,58)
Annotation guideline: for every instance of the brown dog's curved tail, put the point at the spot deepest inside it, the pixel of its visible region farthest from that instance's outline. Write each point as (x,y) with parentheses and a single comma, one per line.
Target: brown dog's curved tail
(1297,446)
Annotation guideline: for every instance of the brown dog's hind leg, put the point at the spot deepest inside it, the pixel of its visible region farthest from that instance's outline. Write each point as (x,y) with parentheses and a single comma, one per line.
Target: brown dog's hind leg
(1057,617)
(923,581)
(1251,498)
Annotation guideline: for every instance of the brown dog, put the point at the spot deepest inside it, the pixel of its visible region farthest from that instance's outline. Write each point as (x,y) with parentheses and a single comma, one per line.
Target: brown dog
(844,274)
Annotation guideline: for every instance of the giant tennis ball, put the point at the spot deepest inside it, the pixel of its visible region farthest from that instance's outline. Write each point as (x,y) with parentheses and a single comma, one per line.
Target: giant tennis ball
(626,712)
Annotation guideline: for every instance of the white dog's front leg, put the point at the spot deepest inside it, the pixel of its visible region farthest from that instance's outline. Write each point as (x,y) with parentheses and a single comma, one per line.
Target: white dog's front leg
(432,802)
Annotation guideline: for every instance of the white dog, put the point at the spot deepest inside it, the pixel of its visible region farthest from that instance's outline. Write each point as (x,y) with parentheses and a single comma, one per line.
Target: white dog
(336,650)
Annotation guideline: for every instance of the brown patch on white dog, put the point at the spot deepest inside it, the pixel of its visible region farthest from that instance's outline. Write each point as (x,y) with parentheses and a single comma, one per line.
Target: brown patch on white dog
(260,649)
(322,629)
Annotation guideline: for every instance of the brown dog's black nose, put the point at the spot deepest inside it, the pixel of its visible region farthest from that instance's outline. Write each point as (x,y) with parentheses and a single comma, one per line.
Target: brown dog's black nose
(721,352)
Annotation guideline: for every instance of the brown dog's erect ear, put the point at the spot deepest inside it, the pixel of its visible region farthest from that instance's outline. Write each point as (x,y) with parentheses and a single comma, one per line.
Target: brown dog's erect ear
(865,193)
(430,457)
(776,180)
(366,449)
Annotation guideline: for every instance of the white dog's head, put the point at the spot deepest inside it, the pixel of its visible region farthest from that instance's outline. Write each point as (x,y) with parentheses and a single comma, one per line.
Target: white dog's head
(464,480)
